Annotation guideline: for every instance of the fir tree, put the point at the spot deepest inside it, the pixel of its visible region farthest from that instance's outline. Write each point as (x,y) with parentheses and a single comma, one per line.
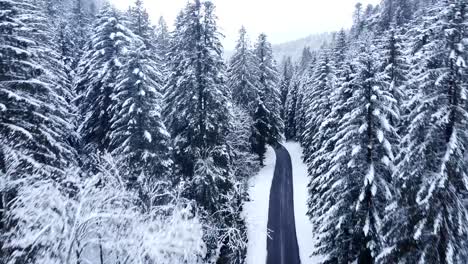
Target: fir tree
(429,220)
(34,117)
(318,96)
(79,26)
(268,123)
(139,22)
(97,75)
(138,136)
(293,116)
(243,78)
(394,70)
(162,38)
(290,108)
(285,82)
(357,184)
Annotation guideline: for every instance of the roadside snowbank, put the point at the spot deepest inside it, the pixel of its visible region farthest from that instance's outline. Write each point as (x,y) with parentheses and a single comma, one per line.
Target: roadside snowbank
(256,211)
(304,228)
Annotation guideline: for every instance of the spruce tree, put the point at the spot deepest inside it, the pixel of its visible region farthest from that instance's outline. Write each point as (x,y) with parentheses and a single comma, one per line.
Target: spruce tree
(293,116)
(138,136)
(394,67)
(162,38)
(139,22)
(396,12)
(243,80)
(35,120)
(97,77)
(285,82)
(290,108)
(318,97)
(357,183)
(267,119)
(197,115)
(79,27)
(34,117)
(427,224)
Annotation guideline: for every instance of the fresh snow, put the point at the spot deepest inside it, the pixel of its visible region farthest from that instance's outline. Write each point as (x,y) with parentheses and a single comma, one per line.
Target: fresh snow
(256,210)
(304,229)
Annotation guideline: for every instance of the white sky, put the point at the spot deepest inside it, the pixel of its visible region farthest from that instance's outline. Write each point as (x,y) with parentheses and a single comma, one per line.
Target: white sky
(281,20)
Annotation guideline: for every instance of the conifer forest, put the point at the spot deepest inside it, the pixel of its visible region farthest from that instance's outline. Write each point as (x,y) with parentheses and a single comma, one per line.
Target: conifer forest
(129,140)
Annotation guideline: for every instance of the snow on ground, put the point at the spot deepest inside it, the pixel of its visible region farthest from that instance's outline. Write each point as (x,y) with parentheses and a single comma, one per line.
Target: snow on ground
(304,228)
(256,210)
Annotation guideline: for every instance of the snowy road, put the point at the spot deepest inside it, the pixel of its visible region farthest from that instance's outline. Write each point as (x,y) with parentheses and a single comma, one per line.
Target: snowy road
(282,246)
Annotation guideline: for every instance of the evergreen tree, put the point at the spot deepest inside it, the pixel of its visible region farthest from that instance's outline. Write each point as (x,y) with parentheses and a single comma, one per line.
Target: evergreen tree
(139,22)
(162,38)
(429,221)
(394,70)
(293,108)
(397,12)
(138,136)
(34,118)
(318,97)
(243,80)
(340,49)
(267,119)
(197,114)
(301,106)
(97,77)
(285,83)
(357,184)
(306,58)
(79,26)
(290,108)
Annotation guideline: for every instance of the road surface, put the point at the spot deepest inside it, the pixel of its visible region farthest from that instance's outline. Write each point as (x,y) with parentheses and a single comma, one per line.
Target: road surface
(282,241)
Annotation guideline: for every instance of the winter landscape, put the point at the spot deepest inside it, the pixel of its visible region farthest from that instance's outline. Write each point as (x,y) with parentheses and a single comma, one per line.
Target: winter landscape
(127,138)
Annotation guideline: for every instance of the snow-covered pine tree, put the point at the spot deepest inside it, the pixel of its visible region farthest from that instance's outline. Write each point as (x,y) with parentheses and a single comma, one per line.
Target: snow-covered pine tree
(290,108)
(285,82)
(340,49)
(394,12)
(79,26)
(138,135)
(244,163)
(267,119)
(197,114)
(162,38)
(197,98)
(318,95)
(243,79)
(319,161)
(293,122)
(34,116)
(139,22)
(428,224)
(394,67)
(97,77)
(306,58)
(359,177)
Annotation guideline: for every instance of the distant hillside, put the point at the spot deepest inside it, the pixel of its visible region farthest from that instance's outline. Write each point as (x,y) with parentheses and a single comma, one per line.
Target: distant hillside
(294,48)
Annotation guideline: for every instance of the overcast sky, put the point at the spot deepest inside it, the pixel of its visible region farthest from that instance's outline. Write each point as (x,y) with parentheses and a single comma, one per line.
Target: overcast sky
(281,20)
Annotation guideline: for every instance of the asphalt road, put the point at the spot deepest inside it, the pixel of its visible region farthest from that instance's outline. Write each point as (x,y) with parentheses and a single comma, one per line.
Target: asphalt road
(282,241)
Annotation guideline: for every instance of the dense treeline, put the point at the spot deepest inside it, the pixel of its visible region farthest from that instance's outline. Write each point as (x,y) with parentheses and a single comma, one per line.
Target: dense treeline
(122,142)
(381,113)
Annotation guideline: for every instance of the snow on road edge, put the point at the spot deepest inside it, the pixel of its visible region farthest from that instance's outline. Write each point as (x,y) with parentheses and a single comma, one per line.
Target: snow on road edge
(256,210)
(304,228)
